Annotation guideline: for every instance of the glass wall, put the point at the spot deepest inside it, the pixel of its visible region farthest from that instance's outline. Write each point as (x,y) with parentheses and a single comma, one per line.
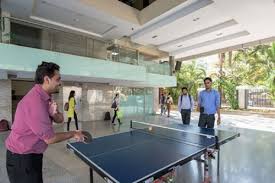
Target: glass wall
(135,101)
(38,36)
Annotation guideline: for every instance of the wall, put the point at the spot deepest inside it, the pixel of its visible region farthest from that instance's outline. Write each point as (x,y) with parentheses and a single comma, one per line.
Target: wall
(93,99)
(19,90)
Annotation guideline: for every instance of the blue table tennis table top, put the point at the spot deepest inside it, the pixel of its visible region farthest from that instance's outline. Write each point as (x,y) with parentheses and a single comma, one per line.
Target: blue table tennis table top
(137,155)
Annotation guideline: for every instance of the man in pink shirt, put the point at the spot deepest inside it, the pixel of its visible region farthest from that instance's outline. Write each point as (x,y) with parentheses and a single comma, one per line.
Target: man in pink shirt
(32,128)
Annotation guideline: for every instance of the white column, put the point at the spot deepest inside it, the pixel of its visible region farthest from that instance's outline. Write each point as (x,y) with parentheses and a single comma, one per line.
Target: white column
(5,100)
(6,28)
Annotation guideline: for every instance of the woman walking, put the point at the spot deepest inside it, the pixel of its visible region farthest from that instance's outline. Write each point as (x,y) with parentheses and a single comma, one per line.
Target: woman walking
(115,106)
(71,111)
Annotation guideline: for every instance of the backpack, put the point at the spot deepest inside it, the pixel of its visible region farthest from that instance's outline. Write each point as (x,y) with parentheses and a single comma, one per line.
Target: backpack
(66,106)
(4,125)
(114,105)
(107,116)
(163,100)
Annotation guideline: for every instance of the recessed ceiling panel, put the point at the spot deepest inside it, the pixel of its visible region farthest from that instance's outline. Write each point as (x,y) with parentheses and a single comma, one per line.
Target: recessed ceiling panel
(53,12)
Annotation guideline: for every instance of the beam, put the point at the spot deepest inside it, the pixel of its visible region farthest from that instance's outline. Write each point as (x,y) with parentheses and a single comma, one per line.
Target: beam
(227,49)
(172,18)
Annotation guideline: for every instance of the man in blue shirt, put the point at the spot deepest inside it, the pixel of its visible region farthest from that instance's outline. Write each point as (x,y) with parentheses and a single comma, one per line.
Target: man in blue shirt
(185,105)
(209,105)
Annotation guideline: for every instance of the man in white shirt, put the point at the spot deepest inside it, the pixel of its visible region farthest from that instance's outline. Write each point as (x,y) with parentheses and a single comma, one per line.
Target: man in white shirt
(185,106)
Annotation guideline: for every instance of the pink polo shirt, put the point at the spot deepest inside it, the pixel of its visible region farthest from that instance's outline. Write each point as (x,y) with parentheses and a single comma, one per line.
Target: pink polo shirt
(32,124)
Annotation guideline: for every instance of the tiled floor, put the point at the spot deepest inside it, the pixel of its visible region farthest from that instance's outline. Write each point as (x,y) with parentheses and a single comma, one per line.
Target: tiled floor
(248,159)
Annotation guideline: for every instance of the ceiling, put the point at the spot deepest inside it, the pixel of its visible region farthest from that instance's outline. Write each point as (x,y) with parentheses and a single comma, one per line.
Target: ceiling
(210,26)
(184,28)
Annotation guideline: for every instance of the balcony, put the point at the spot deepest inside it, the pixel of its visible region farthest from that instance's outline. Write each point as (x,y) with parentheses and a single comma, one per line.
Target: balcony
(81,58)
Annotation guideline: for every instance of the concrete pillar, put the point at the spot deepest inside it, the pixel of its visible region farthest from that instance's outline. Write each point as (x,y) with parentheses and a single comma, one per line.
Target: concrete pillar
(137,57)
(172,64)
(5,100)
(46,42)
(156,100)
(6,28)
(58,98)
(242,98)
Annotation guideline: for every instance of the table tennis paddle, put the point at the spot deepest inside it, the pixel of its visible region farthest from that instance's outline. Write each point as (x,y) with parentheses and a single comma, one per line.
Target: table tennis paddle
(87,137)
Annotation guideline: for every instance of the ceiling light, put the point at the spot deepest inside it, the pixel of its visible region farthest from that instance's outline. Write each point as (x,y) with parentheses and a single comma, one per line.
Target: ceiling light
(114,53)
(196,19)
(155,36)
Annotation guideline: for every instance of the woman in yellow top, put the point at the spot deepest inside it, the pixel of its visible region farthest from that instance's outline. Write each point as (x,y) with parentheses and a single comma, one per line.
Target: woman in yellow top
(71,111)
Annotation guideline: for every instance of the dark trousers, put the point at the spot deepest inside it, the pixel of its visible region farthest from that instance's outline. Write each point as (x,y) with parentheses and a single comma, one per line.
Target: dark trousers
(114,117)
(24,168)
(185,116)
(207,120)
(69,121)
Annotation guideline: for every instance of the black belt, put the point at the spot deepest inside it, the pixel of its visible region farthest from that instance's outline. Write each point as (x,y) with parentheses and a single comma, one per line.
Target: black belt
(209,114)
(186,109)
(15,155)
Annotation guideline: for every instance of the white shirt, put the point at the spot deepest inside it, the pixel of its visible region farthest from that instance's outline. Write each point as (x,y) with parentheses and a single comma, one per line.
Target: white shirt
(185,103)
(169,100)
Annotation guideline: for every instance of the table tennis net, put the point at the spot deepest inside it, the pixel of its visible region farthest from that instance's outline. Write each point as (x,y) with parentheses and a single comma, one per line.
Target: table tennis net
(173,133)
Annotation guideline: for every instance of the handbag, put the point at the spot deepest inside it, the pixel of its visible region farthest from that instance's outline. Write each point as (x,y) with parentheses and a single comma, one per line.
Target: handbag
(119,114)
(114,105)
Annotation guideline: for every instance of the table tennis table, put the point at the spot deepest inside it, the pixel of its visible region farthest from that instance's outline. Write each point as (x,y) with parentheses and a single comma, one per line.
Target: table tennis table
(149,151)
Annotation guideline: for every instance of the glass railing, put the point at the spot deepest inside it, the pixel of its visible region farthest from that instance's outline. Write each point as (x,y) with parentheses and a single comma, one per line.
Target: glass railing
(28,34)
(155,68)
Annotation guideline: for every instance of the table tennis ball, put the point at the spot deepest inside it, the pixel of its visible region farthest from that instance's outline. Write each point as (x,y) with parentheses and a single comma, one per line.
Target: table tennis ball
(150,128)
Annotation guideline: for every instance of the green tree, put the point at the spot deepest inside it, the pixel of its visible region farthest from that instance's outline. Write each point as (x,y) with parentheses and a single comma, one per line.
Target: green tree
(190,76)
(254,66)
(271,68)
(260,66)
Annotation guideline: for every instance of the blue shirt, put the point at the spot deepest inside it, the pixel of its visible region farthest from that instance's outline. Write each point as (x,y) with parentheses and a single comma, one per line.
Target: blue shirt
(210,101)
